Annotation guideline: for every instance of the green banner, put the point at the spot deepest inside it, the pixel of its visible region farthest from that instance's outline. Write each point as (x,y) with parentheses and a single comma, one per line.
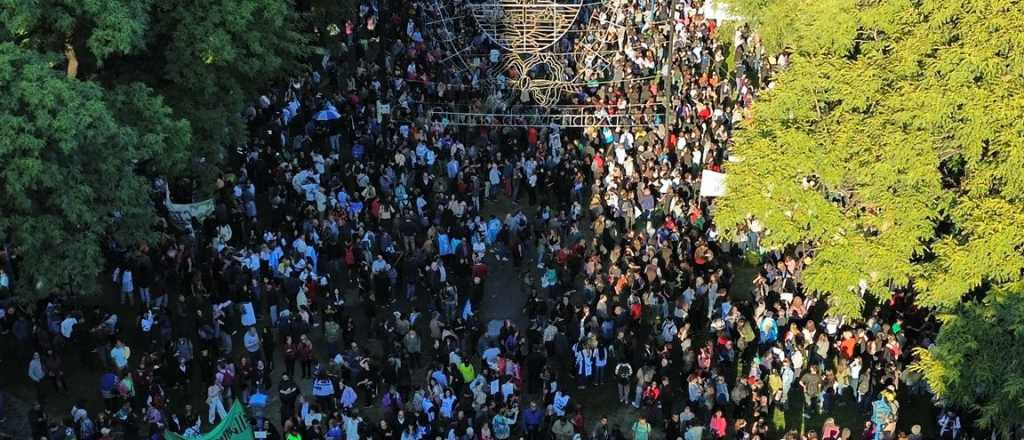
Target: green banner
(234,427)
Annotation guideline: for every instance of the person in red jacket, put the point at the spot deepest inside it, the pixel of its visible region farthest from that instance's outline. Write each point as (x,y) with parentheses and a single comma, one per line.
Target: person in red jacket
(718,424)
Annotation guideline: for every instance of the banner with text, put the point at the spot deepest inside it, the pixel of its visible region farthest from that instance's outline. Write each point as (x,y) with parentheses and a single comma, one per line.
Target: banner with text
(181,214)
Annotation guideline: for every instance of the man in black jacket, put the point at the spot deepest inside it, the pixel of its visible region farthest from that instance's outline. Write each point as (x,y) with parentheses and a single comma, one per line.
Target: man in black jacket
(288,391)
(603,430)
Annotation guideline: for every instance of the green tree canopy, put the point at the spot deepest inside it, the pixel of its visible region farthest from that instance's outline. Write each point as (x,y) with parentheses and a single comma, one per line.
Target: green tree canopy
(978,359)
(206,58)
(893,145)
(217,55)
(99,28)
(68,160)
(98,94)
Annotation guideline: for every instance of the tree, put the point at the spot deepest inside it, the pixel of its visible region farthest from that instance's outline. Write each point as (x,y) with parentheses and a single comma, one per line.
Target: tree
(149,88)
(220,55)
(68,162)
(99,28)
(892,146)
(978,357)
(206,58)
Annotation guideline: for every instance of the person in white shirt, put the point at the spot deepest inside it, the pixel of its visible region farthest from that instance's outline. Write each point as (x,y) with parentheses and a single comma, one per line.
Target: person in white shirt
(216,404)
(798,361)
(493,182)
(856,365)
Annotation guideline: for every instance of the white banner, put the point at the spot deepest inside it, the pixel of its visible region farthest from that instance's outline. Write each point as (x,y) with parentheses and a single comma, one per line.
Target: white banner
(712,184)
(181,214)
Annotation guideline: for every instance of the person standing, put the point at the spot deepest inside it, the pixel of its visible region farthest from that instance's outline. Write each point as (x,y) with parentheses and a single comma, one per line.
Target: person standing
(533,418)
(288,392)
(215,402)
(54,368)
(120,354)
(949,426)
(641,429)
(291,353)
(37,374)
(603,430)
(623,374)
(267,342)
(502,424)
(252,344)
(413,347)
(600,363)
(584,365)
(562,429)
(718,424)
(811,384)
(305,352)
(127,288)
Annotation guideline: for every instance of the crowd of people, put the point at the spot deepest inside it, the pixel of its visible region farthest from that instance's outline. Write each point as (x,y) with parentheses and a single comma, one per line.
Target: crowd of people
(341,277)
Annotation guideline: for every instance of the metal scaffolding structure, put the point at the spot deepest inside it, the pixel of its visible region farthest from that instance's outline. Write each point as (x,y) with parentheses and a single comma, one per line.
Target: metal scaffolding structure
(524,26)
(526,32)
(564,120)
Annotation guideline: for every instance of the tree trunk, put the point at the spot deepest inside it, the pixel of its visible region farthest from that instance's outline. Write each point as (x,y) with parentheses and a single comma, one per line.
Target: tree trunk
(72,56)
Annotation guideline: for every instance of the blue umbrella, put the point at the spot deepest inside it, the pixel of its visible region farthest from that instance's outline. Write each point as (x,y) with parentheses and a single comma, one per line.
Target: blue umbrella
(327,114)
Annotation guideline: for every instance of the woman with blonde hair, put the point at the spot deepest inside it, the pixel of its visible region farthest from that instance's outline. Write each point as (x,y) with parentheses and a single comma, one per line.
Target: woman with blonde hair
(830,430)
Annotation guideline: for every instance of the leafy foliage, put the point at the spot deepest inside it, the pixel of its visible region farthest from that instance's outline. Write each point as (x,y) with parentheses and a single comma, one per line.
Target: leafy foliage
(220,55)
(67,168)
(893,144)
(978,358)
(104,27)
(151,88)
(206,58)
